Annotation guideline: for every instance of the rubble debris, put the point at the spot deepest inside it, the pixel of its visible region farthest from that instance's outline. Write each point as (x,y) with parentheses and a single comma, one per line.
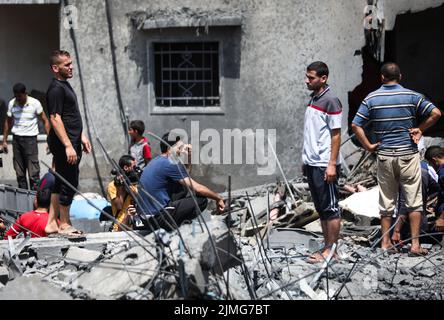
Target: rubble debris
(32,288)
(252,255)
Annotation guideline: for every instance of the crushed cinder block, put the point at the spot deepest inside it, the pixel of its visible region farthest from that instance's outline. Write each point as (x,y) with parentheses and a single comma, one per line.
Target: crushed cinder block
(4,275)
(80,256)
(196,283)
(429,273)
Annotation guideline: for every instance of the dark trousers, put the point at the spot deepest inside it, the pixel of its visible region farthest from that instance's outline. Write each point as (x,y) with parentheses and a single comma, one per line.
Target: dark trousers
(26,159)
(179,211)
(68,171)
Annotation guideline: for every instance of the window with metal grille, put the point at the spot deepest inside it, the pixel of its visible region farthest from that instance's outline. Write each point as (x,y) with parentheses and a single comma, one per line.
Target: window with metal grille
(187,74)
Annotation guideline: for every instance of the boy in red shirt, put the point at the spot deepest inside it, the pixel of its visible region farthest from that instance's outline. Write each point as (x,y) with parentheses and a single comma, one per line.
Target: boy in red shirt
(33,222)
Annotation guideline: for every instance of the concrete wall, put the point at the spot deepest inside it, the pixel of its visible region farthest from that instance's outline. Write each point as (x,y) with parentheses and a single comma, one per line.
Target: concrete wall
(277,40)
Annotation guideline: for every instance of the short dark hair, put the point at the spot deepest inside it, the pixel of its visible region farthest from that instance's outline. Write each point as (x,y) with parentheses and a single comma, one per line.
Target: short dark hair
(43,197)
(320,68)
(164,146)
(54,58)
(125,160)
(391,71)
(434,152)
(138,125)
(19,88)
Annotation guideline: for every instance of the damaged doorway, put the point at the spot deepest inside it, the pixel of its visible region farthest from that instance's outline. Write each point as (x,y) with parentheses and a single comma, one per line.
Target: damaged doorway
(28,34)
(416,45)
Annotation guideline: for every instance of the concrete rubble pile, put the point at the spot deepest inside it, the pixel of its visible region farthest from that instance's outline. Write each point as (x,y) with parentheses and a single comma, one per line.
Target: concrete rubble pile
(257,250)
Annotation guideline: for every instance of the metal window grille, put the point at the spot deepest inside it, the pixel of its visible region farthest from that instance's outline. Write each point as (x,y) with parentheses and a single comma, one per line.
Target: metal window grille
(187,74)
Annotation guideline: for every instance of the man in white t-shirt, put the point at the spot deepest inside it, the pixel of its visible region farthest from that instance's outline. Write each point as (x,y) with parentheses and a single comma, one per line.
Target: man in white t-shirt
(22,118)
(322,140)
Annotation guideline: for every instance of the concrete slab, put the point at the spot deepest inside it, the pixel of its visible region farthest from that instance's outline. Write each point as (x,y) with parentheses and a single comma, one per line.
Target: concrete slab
(32,288)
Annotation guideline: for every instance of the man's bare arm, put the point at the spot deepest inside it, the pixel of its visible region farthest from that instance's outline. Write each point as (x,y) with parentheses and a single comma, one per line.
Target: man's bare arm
(330,173)
(204,191)
(360,134)
(416,133)
(45,121)
(7,125)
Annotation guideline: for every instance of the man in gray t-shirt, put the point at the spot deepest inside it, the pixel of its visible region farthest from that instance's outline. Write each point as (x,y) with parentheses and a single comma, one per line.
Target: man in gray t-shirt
(322,139)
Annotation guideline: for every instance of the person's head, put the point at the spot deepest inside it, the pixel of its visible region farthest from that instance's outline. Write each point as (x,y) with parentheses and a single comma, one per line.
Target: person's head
(136,129)
(42,198)
(435,156)
(61,64)
(127,163)
(170,140)
(20,95)
(390,72)
(316,76)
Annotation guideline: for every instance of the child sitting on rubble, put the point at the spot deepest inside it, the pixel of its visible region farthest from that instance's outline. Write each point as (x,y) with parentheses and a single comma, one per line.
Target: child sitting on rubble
(33,222)
(435,157)
(140,148)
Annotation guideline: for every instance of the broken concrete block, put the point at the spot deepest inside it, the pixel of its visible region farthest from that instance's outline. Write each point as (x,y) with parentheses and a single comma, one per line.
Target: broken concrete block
(112,278)
(4,274)
(367,214)
(196,284)
(427,273)
(32,288)
(79,256)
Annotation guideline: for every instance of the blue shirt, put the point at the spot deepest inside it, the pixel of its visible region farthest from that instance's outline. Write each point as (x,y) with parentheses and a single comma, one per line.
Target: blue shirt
(156,180)
(392,111)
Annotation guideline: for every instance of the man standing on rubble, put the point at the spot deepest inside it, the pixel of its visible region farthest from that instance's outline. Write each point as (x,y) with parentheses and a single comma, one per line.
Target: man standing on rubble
(395,113)
(65,141)
(322,140)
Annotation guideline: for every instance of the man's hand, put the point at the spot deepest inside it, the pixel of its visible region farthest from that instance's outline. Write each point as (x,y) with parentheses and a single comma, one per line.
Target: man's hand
(5,147)
(373,147)
(330,174)
(86,144)
(48,151)
(71,155)
(220,206)
(131,210)
(416,134)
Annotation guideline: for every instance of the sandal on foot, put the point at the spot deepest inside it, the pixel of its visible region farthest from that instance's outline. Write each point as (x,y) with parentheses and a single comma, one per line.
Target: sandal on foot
(421,253)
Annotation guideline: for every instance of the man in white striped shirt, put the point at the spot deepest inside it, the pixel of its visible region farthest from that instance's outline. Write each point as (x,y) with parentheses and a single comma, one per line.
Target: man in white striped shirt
(22,116)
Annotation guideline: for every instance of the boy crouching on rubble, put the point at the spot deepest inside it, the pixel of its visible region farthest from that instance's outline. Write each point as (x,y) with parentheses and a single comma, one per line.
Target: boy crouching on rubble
(33,222)
(435,156)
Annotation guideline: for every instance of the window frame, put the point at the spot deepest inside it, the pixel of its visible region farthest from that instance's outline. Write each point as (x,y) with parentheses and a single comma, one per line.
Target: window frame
(162,110)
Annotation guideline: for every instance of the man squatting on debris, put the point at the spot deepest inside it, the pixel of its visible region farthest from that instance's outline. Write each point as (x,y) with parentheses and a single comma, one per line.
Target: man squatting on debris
(65,141)
(395,112)
(435,156)
(160,177)
(322,140)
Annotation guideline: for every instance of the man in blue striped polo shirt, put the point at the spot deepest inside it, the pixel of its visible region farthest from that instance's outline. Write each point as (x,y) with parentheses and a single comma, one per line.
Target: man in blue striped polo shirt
(398,117)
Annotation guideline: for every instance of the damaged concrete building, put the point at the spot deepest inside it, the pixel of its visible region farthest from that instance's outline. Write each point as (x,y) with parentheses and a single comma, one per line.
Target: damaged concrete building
(235,65)
(210,66)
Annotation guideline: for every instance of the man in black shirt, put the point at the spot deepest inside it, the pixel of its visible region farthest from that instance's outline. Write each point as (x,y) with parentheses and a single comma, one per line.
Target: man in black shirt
(65,141)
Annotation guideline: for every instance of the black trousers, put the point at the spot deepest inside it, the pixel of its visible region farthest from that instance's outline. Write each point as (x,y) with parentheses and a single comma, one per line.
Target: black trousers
(179,211)
(66,170)
(26,159)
